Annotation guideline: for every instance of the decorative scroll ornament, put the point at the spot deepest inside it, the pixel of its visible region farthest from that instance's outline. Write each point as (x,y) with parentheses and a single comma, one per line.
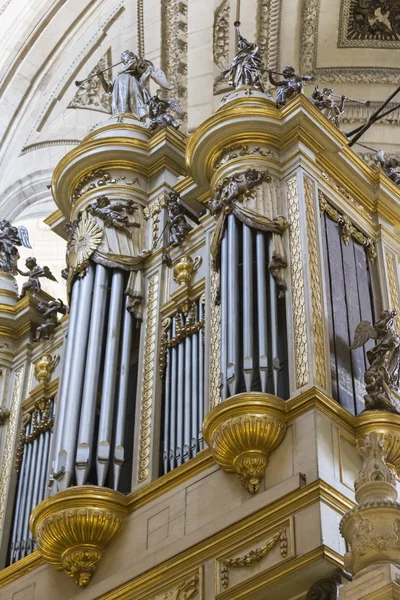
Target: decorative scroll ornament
(10,237)
(73,528)
(242,432)
(112,214)
(98,179)
(49,310)
(246,67)
(34,273)
(251,558)
(178,225)
(45,366)
(347,228)
(90,94)
(238,150)
(185,590)
(382,378)
(85,237)
(327,588)
(221,34)
(229,197)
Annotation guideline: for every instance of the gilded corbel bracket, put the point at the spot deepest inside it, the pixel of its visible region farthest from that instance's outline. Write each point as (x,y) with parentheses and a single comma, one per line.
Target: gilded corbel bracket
(73,528)
(243,431)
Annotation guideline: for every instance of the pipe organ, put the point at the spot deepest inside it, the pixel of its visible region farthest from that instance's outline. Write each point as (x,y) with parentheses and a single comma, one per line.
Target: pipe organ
(214,285)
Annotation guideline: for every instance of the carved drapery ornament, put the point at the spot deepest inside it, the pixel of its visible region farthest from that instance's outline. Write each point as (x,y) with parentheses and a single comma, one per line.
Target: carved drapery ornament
(382,378)
(347,228)
(242,195)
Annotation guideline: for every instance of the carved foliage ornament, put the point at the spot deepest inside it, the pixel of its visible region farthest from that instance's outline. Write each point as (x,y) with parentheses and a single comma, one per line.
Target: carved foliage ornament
(98,179)
(185,590)
(221,34)
(91,94)
(347,228)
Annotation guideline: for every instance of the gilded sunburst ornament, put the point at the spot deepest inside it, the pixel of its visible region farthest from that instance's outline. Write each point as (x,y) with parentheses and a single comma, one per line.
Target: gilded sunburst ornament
(85,239)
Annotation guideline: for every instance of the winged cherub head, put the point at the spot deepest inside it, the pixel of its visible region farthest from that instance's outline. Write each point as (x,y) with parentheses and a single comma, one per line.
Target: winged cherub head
(31,263)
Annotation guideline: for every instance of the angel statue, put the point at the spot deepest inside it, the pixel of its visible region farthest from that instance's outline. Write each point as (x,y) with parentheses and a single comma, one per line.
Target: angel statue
(34,273)
(158,114)
(10,237)
(382,378)
(291,84)
(390,165)
(178,226)
(130,93)
(49,310)
(246,67)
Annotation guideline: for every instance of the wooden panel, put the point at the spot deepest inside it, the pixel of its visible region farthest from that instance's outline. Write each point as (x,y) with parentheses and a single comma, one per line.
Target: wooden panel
(339,315)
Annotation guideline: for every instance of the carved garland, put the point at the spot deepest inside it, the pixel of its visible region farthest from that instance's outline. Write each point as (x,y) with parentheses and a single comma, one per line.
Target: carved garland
(297,273)
(317,308)
(347,228)
(215,342)
(391,262)
(268,39)
(174,48)
(148,379)
(9,444)
(152,211)
(253,557)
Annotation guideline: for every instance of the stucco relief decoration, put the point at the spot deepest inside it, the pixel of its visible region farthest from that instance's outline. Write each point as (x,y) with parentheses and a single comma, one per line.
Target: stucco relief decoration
(185,590)
(91,94)
(369,24)
(221,34)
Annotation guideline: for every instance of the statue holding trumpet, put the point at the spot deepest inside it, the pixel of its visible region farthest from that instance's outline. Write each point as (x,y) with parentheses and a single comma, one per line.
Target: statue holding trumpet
(333,109)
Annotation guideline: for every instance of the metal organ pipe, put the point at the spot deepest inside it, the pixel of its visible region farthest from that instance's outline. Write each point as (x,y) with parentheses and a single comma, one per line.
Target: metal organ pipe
(109,377)
(262,309)
(224,315)
(167,411)
(179,412)
(23,490)
(173,398)
(66,455)
(233,305)
(274,323)
(119,450)
(247,306)
(92,373)
(200,402)
(188,398)
(194,396)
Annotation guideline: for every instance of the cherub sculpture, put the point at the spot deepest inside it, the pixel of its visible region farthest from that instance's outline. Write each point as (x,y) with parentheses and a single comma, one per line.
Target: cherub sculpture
(129,89)
(382,378)
(158,112)
(291,85)
(34,273)
(324,101)
(49,311)
(111,213)
(178,226)
(246,68)
(390,165)
(10,237)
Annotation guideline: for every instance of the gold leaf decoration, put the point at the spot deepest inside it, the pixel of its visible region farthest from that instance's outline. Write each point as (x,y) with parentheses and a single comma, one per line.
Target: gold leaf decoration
(84,241)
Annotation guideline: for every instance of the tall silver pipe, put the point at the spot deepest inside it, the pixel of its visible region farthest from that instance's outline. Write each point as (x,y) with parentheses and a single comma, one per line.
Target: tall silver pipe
(28,505)
(233,305)
(187,398)
(194,395)
(21,489)
(109,376)
(167,409)
(45,464)
(92,372)
(172,434)
(201,381)
(70,421)
(262,309)
(24,489)
(274,321)
(248,343)
(224,315)
(64,383)
(36,498)
(179,412)
(119,450)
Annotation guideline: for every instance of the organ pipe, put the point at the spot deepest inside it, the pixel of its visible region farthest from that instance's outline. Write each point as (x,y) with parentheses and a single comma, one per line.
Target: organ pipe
(262,310)
(233,306)
(247,306)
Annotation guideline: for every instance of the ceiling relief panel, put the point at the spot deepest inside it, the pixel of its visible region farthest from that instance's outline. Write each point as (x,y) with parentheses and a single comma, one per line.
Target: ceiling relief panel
(364,26)
(91,95)
(369,24)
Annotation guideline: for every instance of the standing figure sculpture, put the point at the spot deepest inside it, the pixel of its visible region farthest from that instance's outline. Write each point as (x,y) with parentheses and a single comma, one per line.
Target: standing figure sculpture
(332,109)
(246,67)
(178,226)
(382,378)
(129,89)
(10,237)
(34,273)
(291,85)
(158,112)
(390,165)
(49,310)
